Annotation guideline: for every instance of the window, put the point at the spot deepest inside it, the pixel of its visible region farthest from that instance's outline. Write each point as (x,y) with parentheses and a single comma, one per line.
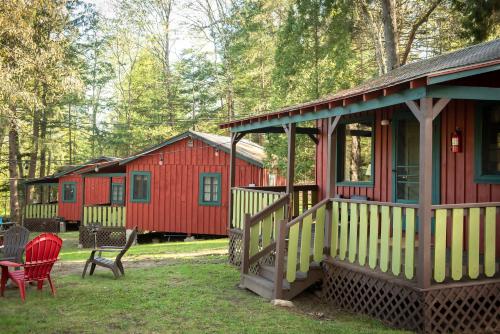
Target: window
(141,184)
(487,144)
(355,153)
(69,192)
(117,193)
(210,189)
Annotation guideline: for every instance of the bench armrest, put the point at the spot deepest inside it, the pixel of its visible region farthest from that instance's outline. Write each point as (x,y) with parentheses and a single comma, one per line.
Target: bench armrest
(10,264)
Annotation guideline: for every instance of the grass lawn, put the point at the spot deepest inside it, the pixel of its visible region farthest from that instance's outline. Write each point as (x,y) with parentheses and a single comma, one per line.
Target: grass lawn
(194,294)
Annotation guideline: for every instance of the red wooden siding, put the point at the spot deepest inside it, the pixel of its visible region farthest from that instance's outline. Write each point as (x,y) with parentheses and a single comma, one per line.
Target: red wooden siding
(71,211)
(382,189)
(175,185)
(97,190)
(118,179)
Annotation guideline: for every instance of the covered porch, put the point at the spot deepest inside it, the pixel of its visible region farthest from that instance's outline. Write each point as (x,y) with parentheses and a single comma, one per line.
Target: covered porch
(42,198)
(406,227)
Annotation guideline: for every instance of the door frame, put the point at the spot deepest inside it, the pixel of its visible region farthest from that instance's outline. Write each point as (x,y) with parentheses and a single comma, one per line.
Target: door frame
(436,154)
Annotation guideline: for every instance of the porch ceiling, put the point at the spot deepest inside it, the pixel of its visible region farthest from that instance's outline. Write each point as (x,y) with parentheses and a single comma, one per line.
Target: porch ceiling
(410,82)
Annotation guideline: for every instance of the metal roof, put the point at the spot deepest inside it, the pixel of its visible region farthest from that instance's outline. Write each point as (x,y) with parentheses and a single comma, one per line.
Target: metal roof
(91,162)
(484,54)
(245,149)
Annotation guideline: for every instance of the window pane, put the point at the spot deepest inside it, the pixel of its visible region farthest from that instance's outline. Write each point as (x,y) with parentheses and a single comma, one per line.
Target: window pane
(141,185)
(357,152)
(491,141)
(69,192)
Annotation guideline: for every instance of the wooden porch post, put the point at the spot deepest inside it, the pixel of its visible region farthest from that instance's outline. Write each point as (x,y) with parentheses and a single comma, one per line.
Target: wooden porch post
(331,177)
(424,270)
(235,138)
(291,135)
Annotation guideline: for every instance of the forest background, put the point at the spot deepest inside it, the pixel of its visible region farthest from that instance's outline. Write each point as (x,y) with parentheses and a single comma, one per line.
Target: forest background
(82,79)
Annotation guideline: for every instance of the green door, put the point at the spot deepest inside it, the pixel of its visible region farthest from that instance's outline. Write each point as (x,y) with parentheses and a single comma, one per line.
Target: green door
(406,160)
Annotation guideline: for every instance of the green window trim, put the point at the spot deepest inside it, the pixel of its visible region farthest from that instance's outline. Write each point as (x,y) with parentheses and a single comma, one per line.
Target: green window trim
(73,198)
(339,150)
(147,198)
(112,199)
(201,200)
(479,177)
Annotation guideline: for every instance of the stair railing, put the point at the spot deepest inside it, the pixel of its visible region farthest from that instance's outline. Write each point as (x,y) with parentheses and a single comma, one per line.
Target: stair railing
(303,224)
(260,231)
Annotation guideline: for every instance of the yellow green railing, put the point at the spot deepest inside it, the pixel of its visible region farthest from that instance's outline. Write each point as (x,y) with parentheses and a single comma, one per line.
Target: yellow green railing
(250,201)
(379,235)
(37,211)
(458,225)
(306,240)
(109,216)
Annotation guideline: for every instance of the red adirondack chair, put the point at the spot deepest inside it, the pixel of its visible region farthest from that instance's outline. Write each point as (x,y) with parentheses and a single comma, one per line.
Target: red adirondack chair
(41,254)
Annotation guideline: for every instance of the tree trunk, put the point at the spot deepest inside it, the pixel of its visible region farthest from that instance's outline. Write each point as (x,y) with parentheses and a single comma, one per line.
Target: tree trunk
(390,33)
(43,132)
(34,149)
(13,172)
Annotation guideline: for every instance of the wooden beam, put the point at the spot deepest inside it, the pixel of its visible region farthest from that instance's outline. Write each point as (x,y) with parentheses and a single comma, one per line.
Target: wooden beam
(290,165)
(414,108)
(331,175)
(278,129)
(424,263)
(235,138)
(439,106)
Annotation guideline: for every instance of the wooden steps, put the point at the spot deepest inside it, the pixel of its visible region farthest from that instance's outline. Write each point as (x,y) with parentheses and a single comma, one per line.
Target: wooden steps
(263,284)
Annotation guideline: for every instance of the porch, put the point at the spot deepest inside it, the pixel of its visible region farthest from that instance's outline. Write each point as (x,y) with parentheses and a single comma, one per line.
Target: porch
(406,227)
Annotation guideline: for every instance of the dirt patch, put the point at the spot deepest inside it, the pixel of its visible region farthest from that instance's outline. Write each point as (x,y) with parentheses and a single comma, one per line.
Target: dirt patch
(62,268)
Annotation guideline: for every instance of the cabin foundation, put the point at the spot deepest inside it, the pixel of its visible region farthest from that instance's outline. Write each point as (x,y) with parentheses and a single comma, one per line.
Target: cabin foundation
(452,308)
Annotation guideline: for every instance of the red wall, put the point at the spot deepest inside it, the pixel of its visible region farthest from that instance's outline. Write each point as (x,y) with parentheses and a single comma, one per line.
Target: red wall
(97,190)
(71,211)
(382,189)
(457,169)
(174,189)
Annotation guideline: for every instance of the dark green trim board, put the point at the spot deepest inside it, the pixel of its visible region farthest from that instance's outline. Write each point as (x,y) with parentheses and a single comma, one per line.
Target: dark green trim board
(479,177)
(380,102)
(462,74)
(147,198)
(115,185)
(201,191)
(464,92)
(74,186)
(436,156)
(340,152)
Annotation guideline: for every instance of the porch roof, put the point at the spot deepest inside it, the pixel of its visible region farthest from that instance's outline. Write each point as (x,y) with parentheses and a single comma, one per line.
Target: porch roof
(42,180)
(408,82)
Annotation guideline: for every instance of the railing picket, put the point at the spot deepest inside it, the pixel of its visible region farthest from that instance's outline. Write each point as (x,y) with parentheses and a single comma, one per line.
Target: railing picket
(409,243)
(319,234)
(291,266)
(363,233)
(335,229)
(384,237)
(267,228)
(353,232)
(473,234)
(305,243)
(344,221)
(457,242)
(440,245)
(254,239)
(396,240)
(489,241)
(372,255)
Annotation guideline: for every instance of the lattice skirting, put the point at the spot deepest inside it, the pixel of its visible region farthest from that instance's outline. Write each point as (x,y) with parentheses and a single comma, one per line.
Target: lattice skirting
(235,246)
(42,225)
(464,309)
(106,236)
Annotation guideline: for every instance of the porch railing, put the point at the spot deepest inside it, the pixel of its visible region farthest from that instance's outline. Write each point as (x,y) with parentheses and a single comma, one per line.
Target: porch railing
(465,241)
(108,216)
(378,234)
(250,201)
(260,232)
(37,211)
